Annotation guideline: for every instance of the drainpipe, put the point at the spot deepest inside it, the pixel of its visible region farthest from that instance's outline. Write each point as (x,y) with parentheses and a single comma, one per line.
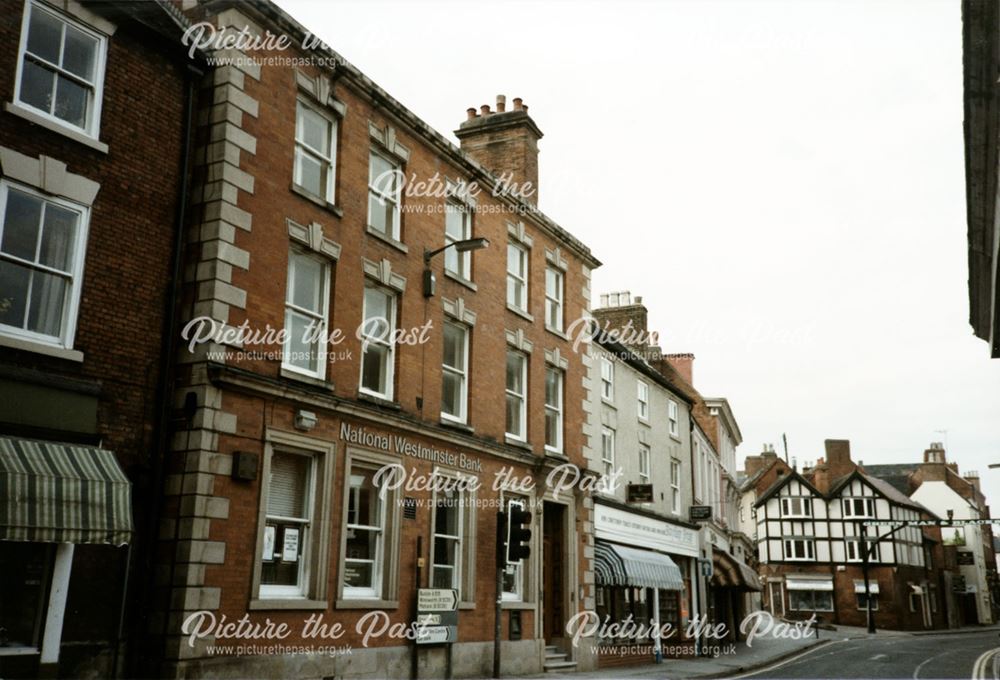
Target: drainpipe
(168,348)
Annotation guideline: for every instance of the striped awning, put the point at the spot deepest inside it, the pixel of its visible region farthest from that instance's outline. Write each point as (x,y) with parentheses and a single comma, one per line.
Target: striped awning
(728,572)
(52,492)
(617,565)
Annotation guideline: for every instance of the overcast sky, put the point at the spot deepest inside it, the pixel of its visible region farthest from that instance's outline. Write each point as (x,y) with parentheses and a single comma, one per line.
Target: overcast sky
(782,182)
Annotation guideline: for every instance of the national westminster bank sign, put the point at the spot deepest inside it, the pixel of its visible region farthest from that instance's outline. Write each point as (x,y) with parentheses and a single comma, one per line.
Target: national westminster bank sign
(402,445)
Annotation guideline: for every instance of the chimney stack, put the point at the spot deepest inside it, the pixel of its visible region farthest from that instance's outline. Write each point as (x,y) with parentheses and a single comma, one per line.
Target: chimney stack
(838,458)
(505,143)
(934,453)
(683,364)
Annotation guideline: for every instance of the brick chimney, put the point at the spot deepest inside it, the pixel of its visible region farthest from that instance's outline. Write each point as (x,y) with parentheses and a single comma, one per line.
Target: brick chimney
(838,458)
(619,312)
(683,364)
(935,453)
(505,143)
(972,478)
(754,464)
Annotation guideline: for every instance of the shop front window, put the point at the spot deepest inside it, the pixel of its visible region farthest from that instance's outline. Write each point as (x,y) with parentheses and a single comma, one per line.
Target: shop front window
(24,576)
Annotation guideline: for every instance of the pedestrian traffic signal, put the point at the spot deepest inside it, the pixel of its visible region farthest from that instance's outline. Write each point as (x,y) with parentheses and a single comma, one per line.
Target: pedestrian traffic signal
(519,538)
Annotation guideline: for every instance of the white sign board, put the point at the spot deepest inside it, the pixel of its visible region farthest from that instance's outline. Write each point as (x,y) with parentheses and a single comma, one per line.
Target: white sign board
(632,528)
(437,600)
(435,635)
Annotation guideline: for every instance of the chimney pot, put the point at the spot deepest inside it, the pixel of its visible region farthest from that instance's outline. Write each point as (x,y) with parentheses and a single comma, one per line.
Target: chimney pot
(524,108)
(485,109)
(517,103)
(471,112)
(501,103)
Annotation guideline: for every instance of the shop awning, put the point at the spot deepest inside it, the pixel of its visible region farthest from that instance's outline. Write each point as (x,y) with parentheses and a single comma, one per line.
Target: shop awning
(859,587)
(728,572)
(617,565)
(52,492)
(800,583)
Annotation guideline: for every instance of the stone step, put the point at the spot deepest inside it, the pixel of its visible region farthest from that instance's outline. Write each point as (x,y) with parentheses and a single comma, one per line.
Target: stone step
(559,666)
(554,656)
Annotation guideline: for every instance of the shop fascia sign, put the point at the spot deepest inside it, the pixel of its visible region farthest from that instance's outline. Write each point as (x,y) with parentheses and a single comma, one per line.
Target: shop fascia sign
(631,528)
(401,445)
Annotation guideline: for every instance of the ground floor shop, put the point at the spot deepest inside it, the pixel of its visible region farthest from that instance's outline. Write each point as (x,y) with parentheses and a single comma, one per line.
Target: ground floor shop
(65,526)
(902,598)
(644,569)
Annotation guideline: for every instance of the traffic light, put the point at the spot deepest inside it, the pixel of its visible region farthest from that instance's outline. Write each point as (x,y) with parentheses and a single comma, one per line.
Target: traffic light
(501,552)
(519,535)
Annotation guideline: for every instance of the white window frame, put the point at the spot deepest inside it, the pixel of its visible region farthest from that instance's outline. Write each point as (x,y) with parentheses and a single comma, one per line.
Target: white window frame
(306,529)
(71,303)
(518,278)
(323,318)
(808,549)
(673,418)
(396,200)
(853,545)
(847,505)
(461,372)
(642,400)
(557,409)
(460,540)
(378,576)
(391,357)
(805,504)
(96,89)
(555,301)
(675,486)
(607,452)
(607,379)
(809,609)
(521,397)
(327,157)
(644,455)
(451,255)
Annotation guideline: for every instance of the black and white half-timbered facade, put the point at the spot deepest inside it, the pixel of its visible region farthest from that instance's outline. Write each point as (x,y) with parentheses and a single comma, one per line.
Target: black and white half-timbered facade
(810,530)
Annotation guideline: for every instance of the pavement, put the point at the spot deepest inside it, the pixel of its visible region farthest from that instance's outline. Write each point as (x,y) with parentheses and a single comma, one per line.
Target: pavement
(833,654)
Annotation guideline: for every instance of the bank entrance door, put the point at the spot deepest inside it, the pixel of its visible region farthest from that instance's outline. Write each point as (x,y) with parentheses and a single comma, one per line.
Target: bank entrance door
(554,571)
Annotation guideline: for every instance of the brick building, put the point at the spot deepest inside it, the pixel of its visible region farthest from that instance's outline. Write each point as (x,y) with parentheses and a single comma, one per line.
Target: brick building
(273,509)
(90,178)
(808,531)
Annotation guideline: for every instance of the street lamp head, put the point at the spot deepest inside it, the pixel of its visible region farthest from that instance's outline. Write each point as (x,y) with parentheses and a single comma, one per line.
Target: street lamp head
(471,244)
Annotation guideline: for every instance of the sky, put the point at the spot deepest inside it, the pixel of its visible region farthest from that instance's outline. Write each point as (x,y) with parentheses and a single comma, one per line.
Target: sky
(782,183)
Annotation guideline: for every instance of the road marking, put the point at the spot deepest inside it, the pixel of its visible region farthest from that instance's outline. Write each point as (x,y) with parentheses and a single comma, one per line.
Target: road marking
(787,661)
(979,669)
(916,671)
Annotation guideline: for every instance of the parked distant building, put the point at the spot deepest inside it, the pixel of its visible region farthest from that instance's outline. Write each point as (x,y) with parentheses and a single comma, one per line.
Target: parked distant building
(808,536)
(936,484)
(981,23)
(646,550)
(93,141)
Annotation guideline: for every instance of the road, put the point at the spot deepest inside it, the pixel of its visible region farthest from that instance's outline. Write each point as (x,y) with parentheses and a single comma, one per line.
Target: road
(969,655)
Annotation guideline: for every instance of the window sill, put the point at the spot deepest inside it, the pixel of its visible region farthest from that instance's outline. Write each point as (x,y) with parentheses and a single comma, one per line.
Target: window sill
(27,114)
(385,238)
(18,651)
(461,279)
(456,425)
(608,402)
(553,452)
(287,604)
(318,200)
(520,312)
(556,331)
(516,604)
(466,605)
(514,441)
(292,374)
(379,401)
(41,348)
(347,603)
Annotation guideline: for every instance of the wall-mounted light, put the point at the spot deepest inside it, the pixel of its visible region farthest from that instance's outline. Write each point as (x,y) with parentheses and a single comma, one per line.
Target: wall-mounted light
(464,246)
(305,420)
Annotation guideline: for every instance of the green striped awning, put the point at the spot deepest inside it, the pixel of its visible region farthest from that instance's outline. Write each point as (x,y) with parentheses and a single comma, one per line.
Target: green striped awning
(51,492)
(617,565)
